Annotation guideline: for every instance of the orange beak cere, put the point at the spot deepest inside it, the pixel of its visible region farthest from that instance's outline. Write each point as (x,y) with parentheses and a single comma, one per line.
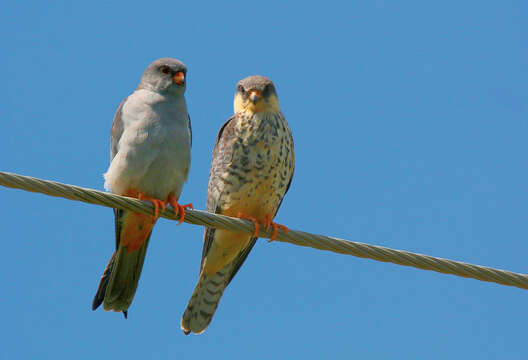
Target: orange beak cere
(179,78)
(254,95)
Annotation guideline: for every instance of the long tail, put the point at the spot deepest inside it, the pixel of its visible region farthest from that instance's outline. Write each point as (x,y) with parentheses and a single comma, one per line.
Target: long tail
(205,299)
(120,278)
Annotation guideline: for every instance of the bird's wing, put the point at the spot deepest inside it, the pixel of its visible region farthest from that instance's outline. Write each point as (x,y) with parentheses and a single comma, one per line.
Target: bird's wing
(222,155)
(290,180)
(115,135)
(117,130)
(240,258)
(190,127)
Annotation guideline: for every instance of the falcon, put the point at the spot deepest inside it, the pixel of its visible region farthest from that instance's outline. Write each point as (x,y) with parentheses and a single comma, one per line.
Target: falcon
(150,151)
(251,171)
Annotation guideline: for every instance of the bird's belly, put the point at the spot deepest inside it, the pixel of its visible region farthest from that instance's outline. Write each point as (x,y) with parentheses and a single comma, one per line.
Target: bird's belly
(165,174)
(257,181)
(154,168)
(256,199)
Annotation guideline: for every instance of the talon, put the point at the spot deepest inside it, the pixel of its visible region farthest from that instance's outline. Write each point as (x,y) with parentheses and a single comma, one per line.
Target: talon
(162,204)
(253,220)
(156,202)
(275,227)
(181,211)
(268,222)
(180,208)
(275,231)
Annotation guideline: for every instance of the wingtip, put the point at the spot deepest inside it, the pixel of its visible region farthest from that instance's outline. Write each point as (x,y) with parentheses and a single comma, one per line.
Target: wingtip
(103,283)
(96,302)
(125,314)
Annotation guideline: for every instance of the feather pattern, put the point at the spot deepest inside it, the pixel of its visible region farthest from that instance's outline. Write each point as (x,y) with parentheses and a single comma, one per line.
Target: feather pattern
(251,170)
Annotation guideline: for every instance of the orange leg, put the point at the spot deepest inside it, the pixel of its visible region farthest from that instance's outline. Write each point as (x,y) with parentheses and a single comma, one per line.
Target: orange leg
(253,220)
(157,203)
(181,208)
(269,222)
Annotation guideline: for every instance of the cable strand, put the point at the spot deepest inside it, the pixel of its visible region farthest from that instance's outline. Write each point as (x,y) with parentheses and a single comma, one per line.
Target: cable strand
(301,238)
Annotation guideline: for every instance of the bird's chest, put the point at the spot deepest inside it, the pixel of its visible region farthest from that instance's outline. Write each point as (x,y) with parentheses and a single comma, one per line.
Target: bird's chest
(156,140)
(154,151)
(260,168)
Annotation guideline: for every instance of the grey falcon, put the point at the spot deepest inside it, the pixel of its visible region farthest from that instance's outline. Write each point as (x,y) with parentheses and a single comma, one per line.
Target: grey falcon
(150,155)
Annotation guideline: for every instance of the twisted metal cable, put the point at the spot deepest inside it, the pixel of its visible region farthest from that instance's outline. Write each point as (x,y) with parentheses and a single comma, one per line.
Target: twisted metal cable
(301,238)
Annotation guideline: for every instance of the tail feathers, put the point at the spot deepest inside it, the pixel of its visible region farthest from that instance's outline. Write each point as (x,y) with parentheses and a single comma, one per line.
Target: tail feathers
(101,290)
(120,279)
(204,300)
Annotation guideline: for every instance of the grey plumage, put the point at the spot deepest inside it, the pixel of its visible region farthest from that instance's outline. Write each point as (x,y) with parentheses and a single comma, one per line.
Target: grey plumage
(150,155)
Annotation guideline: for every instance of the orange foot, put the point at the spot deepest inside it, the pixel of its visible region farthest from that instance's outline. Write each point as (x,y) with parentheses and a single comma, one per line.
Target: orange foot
(156,202)
(181,208)
(253,220)
(269,222)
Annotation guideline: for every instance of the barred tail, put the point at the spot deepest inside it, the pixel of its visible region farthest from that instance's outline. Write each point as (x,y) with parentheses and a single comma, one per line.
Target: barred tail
(205,299)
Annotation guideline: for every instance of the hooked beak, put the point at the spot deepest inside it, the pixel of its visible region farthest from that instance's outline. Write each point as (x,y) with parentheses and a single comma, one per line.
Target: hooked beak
(254,95)
(179,78)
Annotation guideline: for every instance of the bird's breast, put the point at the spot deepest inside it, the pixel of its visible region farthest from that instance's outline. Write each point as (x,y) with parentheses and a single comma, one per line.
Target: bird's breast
(256,179)
(154,150)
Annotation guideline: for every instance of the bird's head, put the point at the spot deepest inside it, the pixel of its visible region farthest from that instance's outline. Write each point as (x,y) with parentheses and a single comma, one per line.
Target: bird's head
(256,94)
(164,75)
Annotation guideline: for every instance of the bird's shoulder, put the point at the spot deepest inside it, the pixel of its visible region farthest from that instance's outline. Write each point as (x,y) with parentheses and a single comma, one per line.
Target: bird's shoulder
(227,130)
(117,129)
(224,142)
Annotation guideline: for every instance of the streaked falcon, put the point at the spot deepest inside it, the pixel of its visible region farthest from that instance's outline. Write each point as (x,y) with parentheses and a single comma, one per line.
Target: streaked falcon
(251,171)
(150,153)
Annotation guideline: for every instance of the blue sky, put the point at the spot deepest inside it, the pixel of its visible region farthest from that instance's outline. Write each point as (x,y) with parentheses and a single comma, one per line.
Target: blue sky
(409,121)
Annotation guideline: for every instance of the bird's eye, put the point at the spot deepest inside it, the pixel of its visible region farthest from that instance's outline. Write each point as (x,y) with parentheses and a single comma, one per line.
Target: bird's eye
(240,89)
(165,69)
